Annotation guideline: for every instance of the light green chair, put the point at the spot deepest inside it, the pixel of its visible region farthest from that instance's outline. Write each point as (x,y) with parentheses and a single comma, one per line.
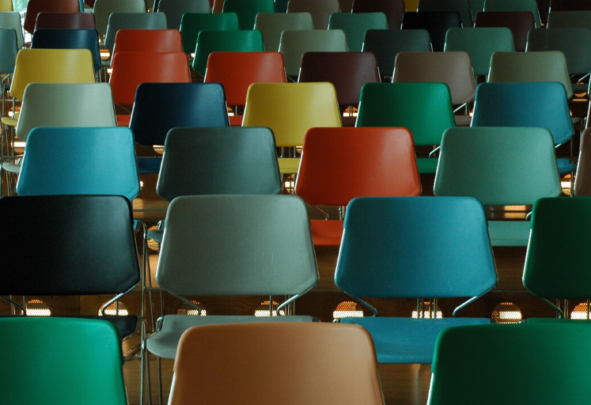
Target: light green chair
(515,5)
(272,25)
(193,23)
(247,10)
(569,19)
(356,25)
(499,166)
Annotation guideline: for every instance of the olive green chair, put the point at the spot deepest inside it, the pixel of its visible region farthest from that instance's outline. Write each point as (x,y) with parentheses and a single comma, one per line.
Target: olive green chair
(480,44)
(60,361)
(193,23)
(356,25)
(569,19)
(542,364)
(499,166)
(424,108)
(515,5)
(247,10)
(272,25)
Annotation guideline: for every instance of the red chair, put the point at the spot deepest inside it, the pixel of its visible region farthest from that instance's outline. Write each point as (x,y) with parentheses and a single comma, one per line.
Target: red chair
(238,70)
(35,7)
(75,21)
(339,164)
(519,22)
(154,41)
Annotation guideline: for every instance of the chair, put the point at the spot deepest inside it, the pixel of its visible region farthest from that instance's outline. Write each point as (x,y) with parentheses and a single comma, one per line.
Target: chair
(519,22)
(569,19)
(451,68)
(281,6)
(437,23)
(148,41)
(224,41)
(272,25)
(294,44)
(476,7)
(480,44)
(514,5)
(316,356)
(499,166)
(59,353)
(72,21)
(132,21)
(320,10)
(194,251)
(8,52)
(523,359)
(385,45)
(340,164)
(570,5)
(174,10)
(394,10)
(462,7)
(290,109)
(255,67)
(12,20)
(424,108)
(193,23)
(355,25)
(399,247)
(411,5)
(104,8)
(6,6)
(247,10)
(347,71)
(35,7)
(582,179)
(50,38)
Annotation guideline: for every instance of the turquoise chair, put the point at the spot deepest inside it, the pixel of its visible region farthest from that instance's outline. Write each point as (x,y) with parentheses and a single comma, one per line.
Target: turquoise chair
(356,25)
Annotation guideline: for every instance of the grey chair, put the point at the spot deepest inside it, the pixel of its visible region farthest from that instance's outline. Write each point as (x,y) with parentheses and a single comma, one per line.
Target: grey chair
(8,51)
(272,25)
(462,7)
(13,20)
(104,8)
(174,10)
(132,21)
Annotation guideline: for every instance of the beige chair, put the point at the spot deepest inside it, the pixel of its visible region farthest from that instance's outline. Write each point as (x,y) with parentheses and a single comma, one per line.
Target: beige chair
(104,8)
(320,10)
(272,25)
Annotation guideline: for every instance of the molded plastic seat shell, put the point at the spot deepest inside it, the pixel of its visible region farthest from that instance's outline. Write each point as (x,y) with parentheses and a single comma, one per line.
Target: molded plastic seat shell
(193,23)
(12,20)
(149,41)
(8,50)
(437,23)
(174,10)
(393,9)
(49,38)
(355,25)
(462,7)
(569,19)
(136,21)
(74,21)
(272,25)
(519,22)
(104,8)
(574,43)
(514,5)
(34,7)
(247,10)
(320,10)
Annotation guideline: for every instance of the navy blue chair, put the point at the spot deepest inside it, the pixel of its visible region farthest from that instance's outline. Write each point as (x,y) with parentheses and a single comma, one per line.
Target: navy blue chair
(69,39)
(408,247)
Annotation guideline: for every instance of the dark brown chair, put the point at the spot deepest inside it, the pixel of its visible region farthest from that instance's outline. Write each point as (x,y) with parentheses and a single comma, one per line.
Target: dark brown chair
(570,5)
(394,10)
(347,71)
(75,21)
(519,22)
(437,23)
(37,6)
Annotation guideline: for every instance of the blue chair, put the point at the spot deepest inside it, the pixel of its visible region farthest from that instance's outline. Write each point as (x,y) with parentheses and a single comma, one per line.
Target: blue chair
(159,107)
(69,39)
(399,247)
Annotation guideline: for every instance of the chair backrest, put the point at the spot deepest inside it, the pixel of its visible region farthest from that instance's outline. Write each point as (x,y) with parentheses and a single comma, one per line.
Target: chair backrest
(34,7)
(247,10)
(272,25)
(499,166)
(294,44)
(424,108)
(522,358)
(254,67)
(402,247)
(130,69)
(154,41)
(574,43)
(193,23)
(174,10)
(290,109)
(385,45)
(519,22)
(74,21)
(88,352)
(12,20)
(8,50)
(143,21)
(243,357)
(548,66)
(320,10)
(462,7)
(583,178)
(159,107)
(6,6)
(437,23)
(51,38)
(65,105)
(222,160)
(569,19)
(95,161)
(339,164)
(355,25)
(570,5)
(347,71)
(225,41)
(104,8)
(514,5)
(476,6)
(394,10)
(198,258)
(480,43)
(451,68)
(77,231)
(51,66)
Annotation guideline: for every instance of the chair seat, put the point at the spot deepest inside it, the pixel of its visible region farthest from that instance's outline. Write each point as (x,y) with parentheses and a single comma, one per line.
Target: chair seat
(565,166)
(326,232)
(427,165)
(463,120)
(407,340)
(123,120)
(164,343)
(235,120)
(509,233)
(149,165)
(288,165)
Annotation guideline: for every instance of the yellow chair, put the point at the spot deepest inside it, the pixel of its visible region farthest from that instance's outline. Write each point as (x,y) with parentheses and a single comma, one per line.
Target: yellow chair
(6,5)
(290,109)
(411,5)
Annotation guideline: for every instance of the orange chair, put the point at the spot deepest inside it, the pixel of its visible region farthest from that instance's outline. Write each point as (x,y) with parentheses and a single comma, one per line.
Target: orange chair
(148,41)
(238,70)
(34,7)
(339,164)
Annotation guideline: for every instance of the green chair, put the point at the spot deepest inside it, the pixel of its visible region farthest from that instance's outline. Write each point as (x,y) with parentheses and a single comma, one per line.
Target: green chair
(272,25)
(515,5)
(480,44)
(569,19)
(193,23)
(538,364)
(356,25)
(247,10)
(224,41)
(63,361)
(476,6)
(424,108)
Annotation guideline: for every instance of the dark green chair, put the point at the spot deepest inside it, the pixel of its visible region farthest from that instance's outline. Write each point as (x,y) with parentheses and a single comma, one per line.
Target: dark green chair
(225,41)
(247,10)
(356,25)
(193,23)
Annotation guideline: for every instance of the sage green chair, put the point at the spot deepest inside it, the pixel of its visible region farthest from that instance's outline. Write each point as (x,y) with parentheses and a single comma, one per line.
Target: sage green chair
(521,364)
(356,25)
(569,19)
(193,23)
(63,361)
(424,108)
(499,166)
(272,25)
(480,44)
(247,10)
(104,8)
(515,5)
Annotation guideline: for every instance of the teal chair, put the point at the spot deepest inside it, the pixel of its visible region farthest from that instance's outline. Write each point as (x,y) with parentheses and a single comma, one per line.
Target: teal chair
(356,25)
(515,5)
(193,23)
(247,10)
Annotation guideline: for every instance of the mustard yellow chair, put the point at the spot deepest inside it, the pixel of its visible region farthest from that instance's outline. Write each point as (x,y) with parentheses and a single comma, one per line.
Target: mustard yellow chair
(6,5)
(411,5)
(290,109)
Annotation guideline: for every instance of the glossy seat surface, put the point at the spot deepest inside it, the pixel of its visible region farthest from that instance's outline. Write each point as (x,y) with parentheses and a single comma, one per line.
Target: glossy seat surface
(150,41)
(144,21)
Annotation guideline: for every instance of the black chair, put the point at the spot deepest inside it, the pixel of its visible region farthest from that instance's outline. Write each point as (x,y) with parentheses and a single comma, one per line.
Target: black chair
(437,23)
(462,7)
